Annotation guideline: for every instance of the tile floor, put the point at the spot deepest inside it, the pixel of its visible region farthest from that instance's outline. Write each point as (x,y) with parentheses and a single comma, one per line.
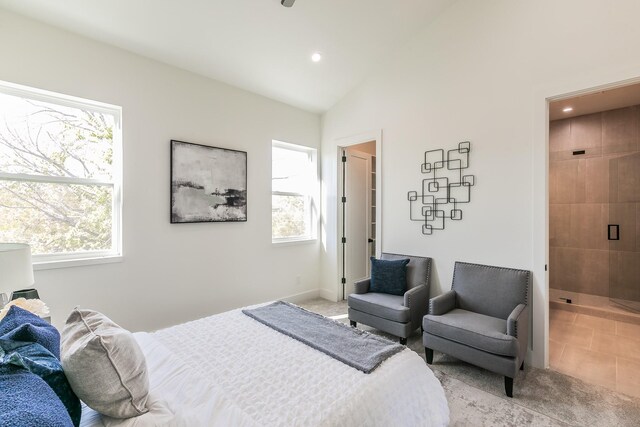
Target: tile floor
(594,305)
(597,350)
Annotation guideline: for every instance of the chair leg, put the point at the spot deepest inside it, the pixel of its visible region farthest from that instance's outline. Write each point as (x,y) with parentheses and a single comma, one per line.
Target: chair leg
(403,341)
(522,366)
(429,355)
(353,323)
(508,386)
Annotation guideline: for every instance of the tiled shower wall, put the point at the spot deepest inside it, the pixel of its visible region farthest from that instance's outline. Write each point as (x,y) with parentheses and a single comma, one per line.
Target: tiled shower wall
(579,202)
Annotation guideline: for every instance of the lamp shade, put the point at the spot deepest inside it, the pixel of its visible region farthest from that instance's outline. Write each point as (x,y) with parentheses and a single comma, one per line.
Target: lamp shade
(16,270)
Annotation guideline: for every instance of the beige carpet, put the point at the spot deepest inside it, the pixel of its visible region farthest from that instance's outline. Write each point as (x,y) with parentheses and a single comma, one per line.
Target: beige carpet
(470,406)
(542,397)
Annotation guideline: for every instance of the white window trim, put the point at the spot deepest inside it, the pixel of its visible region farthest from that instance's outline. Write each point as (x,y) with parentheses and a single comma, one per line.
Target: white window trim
(90,258)
(76,259)
(291,241)
(21,177)
(313,197)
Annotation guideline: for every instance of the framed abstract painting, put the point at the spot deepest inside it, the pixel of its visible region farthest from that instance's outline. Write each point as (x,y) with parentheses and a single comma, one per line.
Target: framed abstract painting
(208,184)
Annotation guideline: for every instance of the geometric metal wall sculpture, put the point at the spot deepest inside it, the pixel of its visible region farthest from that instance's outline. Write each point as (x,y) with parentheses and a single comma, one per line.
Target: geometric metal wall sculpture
(444,189)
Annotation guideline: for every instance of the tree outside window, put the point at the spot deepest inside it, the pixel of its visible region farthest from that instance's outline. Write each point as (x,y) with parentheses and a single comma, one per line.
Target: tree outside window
(59,174)
(294,179)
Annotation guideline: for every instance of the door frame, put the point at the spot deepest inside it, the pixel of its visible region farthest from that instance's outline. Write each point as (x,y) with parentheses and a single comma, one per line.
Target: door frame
(349,214)
(543,95)
(343,143)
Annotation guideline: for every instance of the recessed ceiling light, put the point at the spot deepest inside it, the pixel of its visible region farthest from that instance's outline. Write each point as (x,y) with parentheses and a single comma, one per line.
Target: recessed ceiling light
(567,109)
(316,57)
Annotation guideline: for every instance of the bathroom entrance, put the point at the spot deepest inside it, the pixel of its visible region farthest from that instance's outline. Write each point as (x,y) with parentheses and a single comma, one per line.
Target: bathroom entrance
(594,200)
(594,237)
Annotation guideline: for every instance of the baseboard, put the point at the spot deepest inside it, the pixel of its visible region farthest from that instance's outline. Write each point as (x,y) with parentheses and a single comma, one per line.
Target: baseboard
(313,293)
(529,359)
(328,295)
(302,296)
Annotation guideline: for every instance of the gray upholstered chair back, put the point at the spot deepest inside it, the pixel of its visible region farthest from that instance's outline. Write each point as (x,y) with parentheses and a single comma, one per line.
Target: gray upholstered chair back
(488,290)
(418,269)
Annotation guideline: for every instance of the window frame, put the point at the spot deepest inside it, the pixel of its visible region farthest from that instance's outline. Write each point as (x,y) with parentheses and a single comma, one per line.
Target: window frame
(79,258)
(311,197)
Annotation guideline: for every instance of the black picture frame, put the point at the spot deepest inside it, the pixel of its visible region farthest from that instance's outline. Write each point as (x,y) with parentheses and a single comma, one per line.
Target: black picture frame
(208,184)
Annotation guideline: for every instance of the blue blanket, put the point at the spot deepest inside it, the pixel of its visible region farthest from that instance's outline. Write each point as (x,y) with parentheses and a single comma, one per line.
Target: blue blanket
(34,390)
(27,401)
(356,348)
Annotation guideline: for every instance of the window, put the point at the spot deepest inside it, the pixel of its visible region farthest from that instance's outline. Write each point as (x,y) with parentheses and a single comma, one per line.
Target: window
(294,181)
(60,174)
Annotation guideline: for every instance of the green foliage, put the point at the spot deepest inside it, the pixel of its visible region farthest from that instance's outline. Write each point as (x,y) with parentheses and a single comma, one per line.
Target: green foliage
(288,216)
(58,141)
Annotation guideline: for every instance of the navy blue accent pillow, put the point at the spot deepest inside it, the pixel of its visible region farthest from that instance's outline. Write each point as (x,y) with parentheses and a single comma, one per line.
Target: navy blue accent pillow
(22,325)
(388,276)
(23,355)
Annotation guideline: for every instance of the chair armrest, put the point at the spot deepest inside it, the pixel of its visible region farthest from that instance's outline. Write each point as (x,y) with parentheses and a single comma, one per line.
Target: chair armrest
(442,303)
(417,299)
(515,321)
(361,286)
(518,326)
(416,295)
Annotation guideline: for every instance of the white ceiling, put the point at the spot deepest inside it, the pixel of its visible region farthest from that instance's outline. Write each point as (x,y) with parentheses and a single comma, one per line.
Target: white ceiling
(594,102)
(257,45)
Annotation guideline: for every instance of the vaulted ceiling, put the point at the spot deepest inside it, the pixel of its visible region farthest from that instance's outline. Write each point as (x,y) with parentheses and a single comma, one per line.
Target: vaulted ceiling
(257,45)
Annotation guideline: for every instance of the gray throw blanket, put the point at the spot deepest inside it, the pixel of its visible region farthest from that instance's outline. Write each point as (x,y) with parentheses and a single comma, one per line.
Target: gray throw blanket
(351,346)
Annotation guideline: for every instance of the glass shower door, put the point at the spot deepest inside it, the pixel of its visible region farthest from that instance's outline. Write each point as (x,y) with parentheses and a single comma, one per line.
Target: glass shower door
(623,231)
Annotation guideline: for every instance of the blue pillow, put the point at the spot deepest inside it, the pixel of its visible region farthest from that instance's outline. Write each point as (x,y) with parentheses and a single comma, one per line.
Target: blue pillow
(29,348)
(22,325)
(388,276)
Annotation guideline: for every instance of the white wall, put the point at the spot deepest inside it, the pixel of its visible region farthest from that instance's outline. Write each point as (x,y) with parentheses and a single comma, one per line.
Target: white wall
(481,72)
(170,273)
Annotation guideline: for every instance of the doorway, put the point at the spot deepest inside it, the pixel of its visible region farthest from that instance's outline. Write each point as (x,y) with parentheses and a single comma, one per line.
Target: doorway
(594,200)
(358,200)
(594,236)
(358,210)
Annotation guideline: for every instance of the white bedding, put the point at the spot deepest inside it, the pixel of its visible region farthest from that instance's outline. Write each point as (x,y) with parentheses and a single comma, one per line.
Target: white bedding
(230,370)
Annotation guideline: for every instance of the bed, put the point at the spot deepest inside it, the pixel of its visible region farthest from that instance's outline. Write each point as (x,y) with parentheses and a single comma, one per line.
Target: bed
(231,370)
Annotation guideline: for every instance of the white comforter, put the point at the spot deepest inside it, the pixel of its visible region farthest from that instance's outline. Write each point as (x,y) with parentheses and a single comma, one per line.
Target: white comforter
(230,370)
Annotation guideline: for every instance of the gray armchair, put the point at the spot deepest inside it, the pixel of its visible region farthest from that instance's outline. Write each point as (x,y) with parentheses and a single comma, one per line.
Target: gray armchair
(483,319)
(398,315)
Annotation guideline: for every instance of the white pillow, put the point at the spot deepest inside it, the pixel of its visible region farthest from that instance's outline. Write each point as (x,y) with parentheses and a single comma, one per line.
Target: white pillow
(104,365)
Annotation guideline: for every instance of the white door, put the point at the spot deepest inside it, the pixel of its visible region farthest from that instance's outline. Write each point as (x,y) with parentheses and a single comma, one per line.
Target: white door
(358,217)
